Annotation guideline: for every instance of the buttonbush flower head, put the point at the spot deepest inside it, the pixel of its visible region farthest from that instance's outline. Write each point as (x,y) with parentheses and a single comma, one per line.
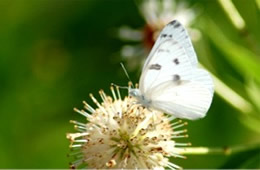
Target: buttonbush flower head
(122,134)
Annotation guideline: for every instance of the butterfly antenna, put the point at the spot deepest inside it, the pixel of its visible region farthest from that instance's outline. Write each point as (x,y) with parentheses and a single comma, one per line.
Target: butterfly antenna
(121,87)
(123,67)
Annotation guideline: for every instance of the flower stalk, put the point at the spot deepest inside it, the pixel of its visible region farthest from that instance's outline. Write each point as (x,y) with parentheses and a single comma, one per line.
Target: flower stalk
(226,150)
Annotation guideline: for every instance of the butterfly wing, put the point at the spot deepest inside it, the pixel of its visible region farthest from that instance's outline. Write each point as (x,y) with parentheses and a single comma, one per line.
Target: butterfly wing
(170,62)
(189,99)
(174,30)
(204,78)
(171,79)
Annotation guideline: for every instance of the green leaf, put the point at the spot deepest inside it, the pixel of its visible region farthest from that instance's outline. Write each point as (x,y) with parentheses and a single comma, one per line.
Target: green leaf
(245,61)
(246,159)
(252,163)
(252,121)
(253,90)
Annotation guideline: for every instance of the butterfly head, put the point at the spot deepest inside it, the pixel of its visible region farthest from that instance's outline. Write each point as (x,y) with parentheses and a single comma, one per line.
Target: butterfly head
(140,97)
(134,92)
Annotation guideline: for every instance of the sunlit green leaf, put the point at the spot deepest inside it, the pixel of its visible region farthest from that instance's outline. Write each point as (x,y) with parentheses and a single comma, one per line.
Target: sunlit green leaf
(245,61)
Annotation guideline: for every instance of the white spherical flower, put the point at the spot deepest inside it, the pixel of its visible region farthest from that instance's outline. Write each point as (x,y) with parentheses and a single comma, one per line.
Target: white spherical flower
(122,134)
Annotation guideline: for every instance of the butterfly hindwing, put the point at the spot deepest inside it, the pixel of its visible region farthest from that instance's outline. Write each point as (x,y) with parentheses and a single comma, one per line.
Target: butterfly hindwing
(203,77)
(190,100)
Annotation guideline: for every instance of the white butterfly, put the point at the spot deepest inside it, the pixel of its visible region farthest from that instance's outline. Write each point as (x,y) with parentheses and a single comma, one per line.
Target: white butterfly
(171,82)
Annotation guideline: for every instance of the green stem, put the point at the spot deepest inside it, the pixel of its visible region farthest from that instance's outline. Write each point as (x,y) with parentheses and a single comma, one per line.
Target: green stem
(218,150)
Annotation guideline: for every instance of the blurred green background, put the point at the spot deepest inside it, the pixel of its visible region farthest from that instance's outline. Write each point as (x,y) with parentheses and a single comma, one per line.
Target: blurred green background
(53,53)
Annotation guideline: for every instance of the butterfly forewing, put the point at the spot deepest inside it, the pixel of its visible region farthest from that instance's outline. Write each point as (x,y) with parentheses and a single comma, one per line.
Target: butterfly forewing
(175,31)
(169,63)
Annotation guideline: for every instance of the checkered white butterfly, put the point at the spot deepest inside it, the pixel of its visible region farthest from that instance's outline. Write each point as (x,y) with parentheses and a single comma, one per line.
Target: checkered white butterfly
(171,81)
